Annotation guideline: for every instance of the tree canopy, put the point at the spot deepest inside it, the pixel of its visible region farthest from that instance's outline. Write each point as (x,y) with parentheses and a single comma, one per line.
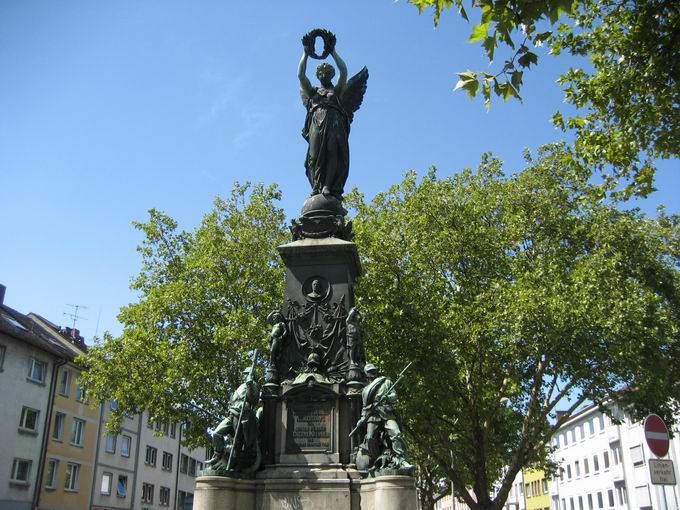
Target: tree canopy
(627,92)
(203,301)
(512,293)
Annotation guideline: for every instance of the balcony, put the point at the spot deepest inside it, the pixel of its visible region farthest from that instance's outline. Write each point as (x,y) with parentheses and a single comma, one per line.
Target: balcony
(617,472)
(613,433)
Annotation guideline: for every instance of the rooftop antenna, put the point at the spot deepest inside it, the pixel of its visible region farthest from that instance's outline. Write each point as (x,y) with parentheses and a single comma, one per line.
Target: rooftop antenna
(74,316)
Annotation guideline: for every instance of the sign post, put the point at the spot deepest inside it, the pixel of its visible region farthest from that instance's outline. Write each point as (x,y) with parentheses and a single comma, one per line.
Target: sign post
(656,435)
(661,472)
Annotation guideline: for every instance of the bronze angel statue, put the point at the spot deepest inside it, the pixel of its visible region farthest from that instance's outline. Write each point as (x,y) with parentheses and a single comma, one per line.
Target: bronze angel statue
(330,110)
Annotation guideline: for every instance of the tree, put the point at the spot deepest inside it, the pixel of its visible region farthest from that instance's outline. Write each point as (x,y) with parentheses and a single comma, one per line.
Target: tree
(204,299)
(627,94)
(512,293)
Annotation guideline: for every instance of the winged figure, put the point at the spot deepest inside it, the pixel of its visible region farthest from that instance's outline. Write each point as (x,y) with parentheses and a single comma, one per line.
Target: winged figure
(330,111)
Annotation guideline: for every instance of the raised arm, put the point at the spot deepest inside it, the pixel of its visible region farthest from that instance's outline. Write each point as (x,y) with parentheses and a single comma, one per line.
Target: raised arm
(305,85)
(342,68)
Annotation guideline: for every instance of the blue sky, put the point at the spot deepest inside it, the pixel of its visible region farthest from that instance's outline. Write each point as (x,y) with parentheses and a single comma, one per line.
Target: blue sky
(108,109)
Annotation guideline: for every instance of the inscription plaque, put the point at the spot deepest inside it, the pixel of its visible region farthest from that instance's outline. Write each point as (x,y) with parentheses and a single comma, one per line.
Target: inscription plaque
(310,427)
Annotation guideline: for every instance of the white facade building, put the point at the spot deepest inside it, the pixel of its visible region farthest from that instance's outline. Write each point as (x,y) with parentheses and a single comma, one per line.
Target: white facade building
(27,364)
(604,466)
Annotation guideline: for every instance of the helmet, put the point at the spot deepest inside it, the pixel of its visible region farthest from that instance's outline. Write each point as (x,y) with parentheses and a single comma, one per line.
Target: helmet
(370,367)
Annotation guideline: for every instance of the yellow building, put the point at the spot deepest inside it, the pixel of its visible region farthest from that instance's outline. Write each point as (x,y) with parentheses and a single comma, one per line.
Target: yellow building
(72,438)
(536,495)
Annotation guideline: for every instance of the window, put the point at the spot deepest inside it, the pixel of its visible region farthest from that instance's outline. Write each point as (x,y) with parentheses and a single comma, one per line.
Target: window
(642,496)
(573,435)
(571,503)
(167,461)
(605,459)
(147,493)
(577,468)
(111,443)
(80,393)
(600,503)
(568,471)
(192,467)
(114,405)
(596,464)
(36,370)
(173,429)
(29,419)
(157,426)
(562,440)
(51,478)
(528,490)
(65,382)
(72,475)
(623,497)
(580,503)
(591,425)
(616,455)
(586,469)
(637,455)
(600,420)
(77,428)
(182,499)
(184,464)
(58,429)
(164,496)
(21,470)
(125,446)
(610,498)
(166,428)
(149,422)
(561,474)
(151,455)
(564,504)
(590,502)
(2,356)
(121,488)
(544,483)
(106,483)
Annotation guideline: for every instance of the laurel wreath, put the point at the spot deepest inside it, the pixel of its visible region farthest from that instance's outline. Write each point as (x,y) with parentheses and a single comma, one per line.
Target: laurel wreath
(309,39)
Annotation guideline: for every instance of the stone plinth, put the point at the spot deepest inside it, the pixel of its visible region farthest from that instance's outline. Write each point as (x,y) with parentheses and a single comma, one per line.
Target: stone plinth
(309,488)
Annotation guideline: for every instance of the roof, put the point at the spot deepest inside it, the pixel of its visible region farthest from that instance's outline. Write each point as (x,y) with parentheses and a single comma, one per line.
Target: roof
(63,335)
(23,329)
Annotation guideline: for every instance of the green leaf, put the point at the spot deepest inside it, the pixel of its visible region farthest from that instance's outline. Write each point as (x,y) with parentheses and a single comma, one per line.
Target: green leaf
(490,46)
(527,59)
(516,79)
(479,32)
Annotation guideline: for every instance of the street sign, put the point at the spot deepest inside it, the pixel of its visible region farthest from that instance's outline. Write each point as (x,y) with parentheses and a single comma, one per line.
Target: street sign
(656,435)
(661,472)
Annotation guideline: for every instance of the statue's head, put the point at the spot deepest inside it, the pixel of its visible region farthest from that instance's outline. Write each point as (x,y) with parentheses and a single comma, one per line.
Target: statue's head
(316,286)
(275,317)
(313,362)
(371,371)
(325,73)
(245,375)
(353,315)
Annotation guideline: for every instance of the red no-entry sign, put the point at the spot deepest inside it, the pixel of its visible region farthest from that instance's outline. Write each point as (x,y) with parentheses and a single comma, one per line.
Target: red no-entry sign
(656,435)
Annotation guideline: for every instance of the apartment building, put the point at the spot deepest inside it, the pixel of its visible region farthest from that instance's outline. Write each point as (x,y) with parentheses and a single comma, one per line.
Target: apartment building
(168,470)
(29,363)
(536,491)
(117,462)
(604,465)
(73,431)
(55,453)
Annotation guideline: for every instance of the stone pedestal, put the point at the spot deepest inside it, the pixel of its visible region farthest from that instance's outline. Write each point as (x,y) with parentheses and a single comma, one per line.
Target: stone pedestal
(312,399)
(293,488)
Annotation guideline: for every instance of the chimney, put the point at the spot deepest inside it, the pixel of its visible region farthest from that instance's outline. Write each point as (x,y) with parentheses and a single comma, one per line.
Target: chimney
(75,334)
(559,414)
(2,294)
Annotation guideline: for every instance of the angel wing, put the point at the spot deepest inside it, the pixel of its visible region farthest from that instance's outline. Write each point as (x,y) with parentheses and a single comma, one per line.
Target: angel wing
(354,92)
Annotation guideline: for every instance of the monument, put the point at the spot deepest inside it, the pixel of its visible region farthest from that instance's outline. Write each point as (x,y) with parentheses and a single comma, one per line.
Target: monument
(322,432)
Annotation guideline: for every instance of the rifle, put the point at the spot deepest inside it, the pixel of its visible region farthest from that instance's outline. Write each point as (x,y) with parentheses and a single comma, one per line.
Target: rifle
(240,416)
(380,400)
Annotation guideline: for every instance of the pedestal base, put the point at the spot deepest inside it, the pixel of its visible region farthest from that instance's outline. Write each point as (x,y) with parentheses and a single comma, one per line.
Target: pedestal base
(306,489)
